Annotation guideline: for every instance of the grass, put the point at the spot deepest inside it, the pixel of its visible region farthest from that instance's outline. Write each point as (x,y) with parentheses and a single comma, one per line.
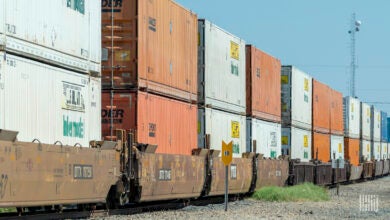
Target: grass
(4,210)
(298,193)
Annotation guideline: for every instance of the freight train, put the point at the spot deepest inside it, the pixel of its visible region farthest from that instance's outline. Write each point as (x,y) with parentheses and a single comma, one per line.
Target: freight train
(172,88)
(122,172)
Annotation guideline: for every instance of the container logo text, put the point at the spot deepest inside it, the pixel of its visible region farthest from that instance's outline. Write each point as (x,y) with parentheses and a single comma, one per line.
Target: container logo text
(72,128)
(108,6)
(73,98)
(115,114)
(235,129)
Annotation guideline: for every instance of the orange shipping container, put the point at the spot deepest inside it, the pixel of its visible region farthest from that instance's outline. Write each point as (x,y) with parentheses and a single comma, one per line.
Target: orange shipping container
(321,146)
(167,123)
(321,107)
(351,150)
(263,96)
(153,45)
(336,113)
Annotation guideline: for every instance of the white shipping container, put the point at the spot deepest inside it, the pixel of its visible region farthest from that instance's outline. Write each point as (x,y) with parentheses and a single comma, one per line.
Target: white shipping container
(365,120)
(337,147)
(375,124)
(296,142)
(221,69)
(61,32)
(222,126)
(351,107)
(365,150)
(384,150)
(48,103)
(376,150)
(266,135)
(296,98)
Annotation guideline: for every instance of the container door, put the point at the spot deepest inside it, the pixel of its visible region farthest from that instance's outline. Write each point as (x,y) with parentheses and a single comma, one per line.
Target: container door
(337,147)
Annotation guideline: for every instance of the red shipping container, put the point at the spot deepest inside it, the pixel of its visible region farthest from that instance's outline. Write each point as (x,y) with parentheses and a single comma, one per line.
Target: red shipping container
(321,107)
(263,89)
(167,123)
(321,146)
(336,113)
(154,46)
(351,150)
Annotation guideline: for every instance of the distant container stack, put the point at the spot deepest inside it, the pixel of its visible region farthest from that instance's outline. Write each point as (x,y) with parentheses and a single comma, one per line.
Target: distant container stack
(149,73)
(296,113)
(263,100)
(351,113)
(49,76)
(376,133)
(221,88)
(384,135)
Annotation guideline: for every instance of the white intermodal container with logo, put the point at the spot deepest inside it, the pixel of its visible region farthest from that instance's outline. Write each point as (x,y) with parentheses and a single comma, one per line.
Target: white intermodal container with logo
(336,147)
(296,98)
(296,142)
(264,137)
(384,150)
(221,69)
(365,121)
(376,150)
(48,103)
(365,150)
(67,33)
(351,107)
(222,126)
(375,124)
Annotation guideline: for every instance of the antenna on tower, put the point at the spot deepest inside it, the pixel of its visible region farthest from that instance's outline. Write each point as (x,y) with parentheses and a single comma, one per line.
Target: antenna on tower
(355,27)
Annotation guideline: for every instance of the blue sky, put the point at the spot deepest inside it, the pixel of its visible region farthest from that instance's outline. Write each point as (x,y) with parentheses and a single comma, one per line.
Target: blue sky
(312,35)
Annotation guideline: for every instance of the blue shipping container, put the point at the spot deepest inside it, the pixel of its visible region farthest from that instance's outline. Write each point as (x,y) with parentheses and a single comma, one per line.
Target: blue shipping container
(388,129)
(384,130)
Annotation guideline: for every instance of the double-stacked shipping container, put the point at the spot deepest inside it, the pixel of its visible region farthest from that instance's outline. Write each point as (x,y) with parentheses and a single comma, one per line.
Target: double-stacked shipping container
(221,88)
(150,73)
(384,135)
(375,133)
(263,102)
(352,130)
(50,77)
(336,125)
(296,113)
(365,132)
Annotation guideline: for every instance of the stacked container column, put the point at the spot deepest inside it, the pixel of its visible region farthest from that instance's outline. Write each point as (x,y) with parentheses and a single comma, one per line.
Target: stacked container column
(365,132)
(384,135)
(336,125)
(375,133)
(352,130)
(221,88)
(263,101)
(296,113)
(150,73)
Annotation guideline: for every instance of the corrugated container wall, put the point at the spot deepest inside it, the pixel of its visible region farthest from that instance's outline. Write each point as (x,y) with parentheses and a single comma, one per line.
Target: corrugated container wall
(351,150)
(265,136)
(365,150)
(321,107)
(337,147)
(46,31)
(263,85)
(296,142)
(384,135)
(222,126)
(388,129)
(351,108)
(336,113)
(154,47)
(48,103)
(375,124)
(365,119)
(376,150)
(383,150)
(321,146)
(221,67)
(296,98)
(167,123)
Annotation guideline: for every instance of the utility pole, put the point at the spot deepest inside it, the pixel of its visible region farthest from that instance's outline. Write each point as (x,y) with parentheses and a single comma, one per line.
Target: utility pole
(355,27)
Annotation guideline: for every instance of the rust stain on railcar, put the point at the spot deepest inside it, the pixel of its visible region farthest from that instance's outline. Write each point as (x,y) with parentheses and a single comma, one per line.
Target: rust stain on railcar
(271,172)
(240,176)
(323,174)
(368,169)
(165,176)
(355,172)
(378,167)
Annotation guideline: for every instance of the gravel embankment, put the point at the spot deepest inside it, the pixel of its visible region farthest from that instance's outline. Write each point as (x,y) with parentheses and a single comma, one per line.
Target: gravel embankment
(344,206)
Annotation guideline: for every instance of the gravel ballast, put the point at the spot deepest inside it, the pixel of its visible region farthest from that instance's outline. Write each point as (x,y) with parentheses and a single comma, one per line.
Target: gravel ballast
(347,205)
